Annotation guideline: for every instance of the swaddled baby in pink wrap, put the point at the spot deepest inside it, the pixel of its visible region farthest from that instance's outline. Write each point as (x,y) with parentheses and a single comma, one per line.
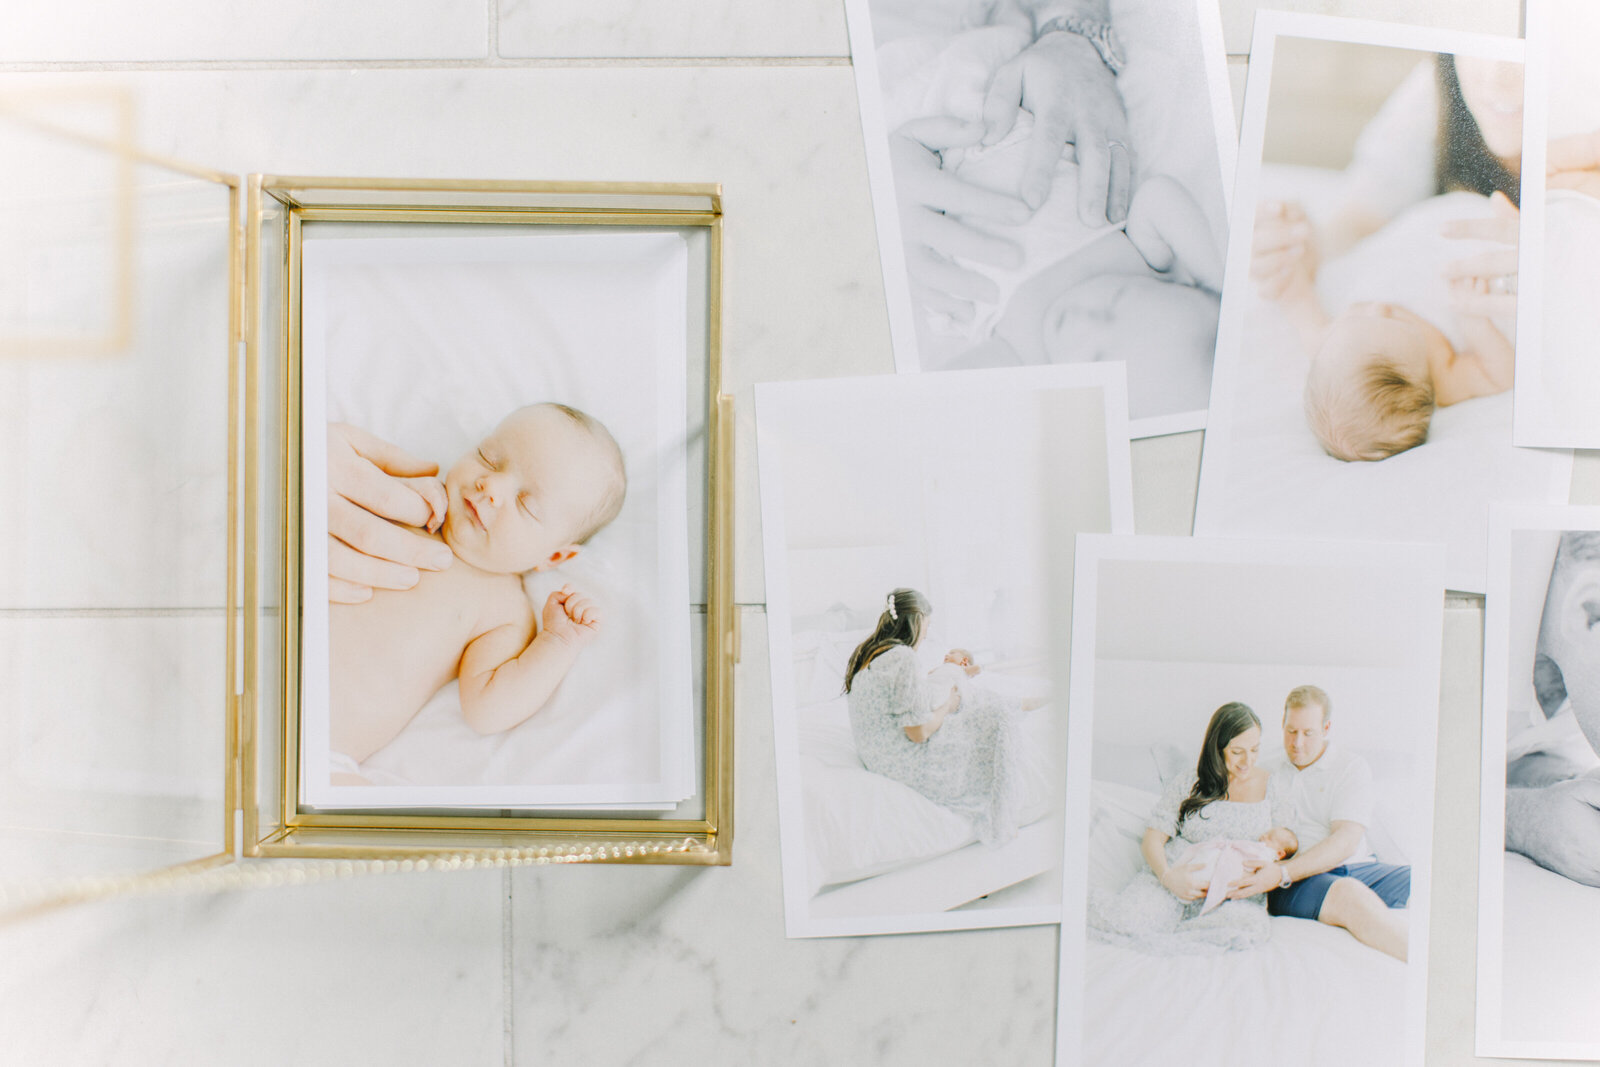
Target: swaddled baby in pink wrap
(1222,859)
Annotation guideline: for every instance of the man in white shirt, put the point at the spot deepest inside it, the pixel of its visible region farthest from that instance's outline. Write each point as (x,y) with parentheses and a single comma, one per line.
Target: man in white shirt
(1333,878)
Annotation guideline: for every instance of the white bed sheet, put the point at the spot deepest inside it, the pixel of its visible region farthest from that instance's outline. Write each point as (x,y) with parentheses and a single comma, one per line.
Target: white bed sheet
(1271,477)
(1552,932)
(1293,1000)
(430,342)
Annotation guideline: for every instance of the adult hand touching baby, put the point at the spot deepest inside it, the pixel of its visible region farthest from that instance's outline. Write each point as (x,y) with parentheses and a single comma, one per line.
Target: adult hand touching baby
(375,490)
(934,207)
(1186,882)
(1072,94)
(1484,285)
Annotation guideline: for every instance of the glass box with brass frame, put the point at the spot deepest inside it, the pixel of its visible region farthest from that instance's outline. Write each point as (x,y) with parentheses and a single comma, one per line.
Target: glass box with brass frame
(184,355)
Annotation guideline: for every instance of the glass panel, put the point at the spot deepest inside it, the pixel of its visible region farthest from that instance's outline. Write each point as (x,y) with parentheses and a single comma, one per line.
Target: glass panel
(489,195)
(114,418)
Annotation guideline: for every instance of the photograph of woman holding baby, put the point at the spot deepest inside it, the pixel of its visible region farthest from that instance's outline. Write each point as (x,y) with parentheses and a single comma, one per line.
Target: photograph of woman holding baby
(1048,180)
(1367,352)
(496,591)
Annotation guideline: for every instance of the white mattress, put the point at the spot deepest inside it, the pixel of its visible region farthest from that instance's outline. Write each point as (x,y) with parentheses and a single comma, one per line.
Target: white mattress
(1550,959)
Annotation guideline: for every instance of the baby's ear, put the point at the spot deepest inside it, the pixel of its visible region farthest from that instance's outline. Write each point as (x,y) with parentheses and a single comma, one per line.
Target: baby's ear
(559,556)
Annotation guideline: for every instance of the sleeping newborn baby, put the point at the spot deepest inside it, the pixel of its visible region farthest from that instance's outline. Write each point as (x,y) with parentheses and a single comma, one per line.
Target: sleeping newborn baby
(533,492)
(1379,370)
(956,671)
(1222,860)
(1144,292)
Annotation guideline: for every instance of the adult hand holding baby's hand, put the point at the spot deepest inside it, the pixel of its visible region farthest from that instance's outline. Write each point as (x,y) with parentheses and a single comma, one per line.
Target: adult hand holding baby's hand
(371,482)
(570,617)
(1283,249)
(1072,94)
(1186,882)
(1485,284)
(933,204)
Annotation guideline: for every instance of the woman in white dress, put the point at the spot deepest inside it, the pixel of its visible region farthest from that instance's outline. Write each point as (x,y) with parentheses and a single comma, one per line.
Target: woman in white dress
(1228,795)
(959,753)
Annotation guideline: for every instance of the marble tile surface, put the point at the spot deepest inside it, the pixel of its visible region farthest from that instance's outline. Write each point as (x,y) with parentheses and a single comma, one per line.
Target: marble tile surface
(77,31)
(657,28)
(1502,17)
(652,965)
(400,969)
(111,726)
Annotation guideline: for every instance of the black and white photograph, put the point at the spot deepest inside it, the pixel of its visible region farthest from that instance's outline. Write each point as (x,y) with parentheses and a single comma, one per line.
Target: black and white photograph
(496,571)
(918,740)
(1539,854)
(1249,802)
(1049,182)
(1365,356)
(1558,390)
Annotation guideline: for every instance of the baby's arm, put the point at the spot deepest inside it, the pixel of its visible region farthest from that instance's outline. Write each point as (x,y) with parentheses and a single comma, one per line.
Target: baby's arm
(1485,366)
(505,678)
(1169,230)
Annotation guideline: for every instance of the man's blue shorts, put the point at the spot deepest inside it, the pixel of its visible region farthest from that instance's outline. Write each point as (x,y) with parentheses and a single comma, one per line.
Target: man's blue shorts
(1303,900)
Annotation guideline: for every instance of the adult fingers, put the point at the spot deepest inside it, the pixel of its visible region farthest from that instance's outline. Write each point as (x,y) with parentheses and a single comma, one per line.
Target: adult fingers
(1469,299)
(343,592)
(1274,235)
(348,565)
(931,299)
(1051,130)
(387,457)
(1120,194)
(943,191)
(377,491)
(943,131)
(1578,151)
(368,534)
(1002,100)
(1498,228)
(951,237)
(946,277)
(1263,264)
(1496,263)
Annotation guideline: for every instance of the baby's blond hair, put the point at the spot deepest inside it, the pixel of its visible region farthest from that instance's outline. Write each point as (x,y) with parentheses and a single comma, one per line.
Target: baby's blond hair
(1384,414)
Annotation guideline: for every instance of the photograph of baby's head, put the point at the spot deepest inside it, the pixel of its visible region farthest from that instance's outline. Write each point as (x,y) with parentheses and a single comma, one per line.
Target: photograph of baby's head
(502,621)
(535,490)
(1365,371)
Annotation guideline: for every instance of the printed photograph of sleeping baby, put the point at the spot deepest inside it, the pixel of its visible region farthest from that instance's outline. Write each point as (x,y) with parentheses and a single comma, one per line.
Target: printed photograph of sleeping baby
(516,404)
(1558,384)
(1249,802)
(1539,853)
(1049,183)
(919,750)
(1364,357)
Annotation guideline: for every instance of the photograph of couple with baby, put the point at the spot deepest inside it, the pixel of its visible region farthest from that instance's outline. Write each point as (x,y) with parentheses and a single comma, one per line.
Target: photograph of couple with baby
(1049,184)
(1366,351)
(919,747)
(1539,877)
(1249,785)
(496,606)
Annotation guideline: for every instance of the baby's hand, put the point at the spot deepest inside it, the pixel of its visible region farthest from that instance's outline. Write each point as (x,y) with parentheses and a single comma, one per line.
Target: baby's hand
(1283,253)
(431,490)
(570,617)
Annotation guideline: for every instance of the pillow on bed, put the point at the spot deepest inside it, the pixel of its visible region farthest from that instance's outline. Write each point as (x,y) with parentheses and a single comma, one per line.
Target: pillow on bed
(1116,826)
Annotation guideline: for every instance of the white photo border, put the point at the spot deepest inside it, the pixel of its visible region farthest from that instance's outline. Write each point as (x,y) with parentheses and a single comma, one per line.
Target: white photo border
(1108,377)
(885,204)
(1505,521)
(1093,549)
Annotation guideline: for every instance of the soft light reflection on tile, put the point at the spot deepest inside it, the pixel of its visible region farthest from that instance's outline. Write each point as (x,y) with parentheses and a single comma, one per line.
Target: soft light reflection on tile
(585,28)
(1502,17)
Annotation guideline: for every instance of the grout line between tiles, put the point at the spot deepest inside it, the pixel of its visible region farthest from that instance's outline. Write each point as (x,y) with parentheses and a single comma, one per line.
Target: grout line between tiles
(508,1044)
(490,63)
